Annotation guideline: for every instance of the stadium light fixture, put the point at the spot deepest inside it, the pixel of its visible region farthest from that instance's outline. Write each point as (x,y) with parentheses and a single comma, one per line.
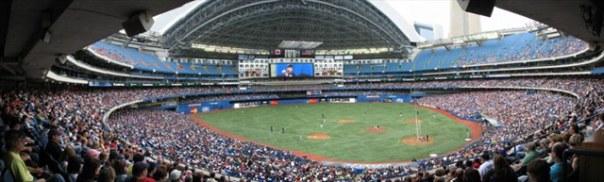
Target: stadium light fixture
(46,37)
(295,44)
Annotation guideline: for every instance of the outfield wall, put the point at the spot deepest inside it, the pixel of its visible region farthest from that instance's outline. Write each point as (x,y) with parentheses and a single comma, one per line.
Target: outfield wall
(236,104)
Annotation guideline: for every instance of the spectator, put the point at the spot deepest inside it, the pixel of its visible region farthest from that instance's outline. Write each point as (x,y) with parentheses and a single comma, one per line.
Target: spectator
(486,166)
(121,170)
(140,171)
(575,140)
(175,175)
(560,169)
(107,174)
(476,163)
(502,172)
(161,175)
(198,177)
(538,171)
(74,164)
(15,144)
(54,153)
(470,174)
(90,170)
(529,155)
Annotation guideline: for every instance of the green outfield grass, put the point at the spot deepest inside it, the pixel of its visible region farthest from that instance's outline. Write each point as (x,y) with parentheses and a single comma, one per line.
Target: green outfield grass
(347,142)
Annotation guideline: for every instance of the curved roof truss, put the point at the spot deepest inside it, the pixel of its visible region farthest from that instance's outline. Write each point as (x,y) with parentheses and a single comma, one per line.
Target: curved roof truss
(338,24)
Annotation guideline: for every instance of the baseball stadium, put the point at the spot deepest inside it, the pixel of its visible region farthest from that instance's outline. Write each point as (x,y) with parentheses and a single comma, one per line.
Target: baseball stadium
(301,90)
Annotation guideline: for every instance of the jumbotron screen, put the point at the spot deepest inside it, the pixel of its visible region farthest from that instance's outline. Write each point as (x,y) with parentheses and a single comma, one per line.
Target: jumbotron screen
(291,70)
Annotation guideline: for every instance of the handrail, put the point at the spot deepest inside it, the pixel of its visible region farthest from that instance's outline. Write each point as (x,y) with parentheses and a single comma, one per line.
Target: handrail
(67,79)
(110,111)
(88,67)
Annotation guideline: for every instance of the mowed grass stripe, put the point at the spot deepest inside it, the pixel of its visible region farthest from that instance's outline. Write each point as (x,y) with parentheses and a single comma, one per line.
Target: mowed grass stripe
(347,142)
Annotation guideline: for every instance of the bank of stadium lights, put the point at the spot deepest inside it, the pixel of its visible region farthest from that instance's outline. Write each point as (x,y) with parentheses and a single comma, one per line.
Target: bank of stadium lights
(224,49)
(235,50)
(354,51)
(294,44)
(461,39)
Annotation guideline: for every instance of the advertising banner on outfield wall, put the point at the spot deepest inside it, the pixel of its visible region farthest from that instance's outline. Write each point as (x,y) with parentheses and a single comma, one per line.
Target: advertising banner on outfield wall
(293,101)
(227,104)
(369,98)
(399,98)
(274,102)
(203,107)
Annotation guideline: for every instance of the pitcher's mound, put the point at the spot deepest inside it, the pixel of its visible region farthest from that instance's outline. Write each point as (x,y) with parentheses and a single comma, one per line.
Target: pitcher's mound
(412,121)
(345,121)
(318,136)
(375,130)
(413,140)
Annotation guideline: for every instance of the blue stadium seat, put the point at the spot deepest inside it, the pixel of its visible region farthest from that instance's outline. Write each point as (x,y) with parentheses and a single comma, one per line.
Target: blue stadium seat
(149,62)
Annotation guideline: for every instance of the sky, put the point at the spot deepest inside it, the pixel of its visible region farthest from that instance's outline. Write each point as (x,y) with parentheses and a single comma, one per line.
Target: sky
(434,12)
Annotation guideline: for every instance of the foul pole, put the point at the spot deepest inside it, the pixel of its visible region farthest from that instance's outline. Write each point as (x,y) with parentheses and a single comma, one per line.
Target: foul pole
(417,123)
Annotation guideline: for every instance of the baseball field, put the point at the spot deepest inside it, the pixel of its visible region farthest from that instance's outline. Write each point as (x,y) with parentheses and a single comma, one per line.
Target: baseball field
(362,133)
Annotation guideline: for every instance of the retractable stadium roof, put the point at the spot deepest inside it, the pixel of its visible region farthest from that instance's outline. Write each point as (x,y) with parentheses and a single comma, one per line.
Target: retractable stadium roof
(267,24)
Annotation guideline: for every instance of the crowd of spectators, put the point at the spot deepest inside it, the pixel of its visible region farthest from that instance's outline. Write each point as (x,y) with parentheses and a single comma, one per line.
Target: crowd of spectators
(467,105)
(521,50)
(57,134)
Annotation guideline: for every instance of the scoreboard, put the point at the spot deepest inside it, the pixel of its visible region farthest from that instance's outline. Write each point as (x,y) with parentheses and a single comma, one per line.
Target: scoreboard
(288,53)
